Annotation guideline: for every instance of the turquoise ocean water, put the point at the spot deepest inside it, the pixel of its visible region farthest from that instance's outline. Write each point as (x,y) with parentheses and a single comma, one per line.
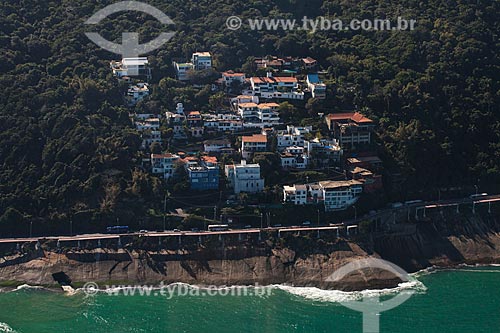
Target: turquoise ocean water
(465,300)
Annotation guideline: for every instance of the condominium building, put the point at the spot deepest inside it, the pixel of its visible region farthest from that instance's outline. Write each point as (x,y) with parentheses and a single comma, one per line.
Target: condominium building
(244,177)
(252,144)
(136,93)
(333,195)
(164,164)
(201,60)
(316,86)
(276,87)
(351,128)
(292,136)
(204,175)
(131,67)
(182,70)
(339,195)
(230,77)
(296,194)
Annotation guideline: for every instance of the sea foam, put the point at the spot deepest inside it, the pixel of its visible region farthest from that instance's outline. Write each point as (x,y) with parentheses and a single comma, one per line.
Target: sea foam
(333,296)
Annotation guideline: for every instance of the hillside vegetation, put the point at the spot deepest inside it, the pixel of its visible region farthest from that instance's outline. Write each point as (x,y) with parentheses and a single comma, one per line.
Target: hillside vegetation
(68,149)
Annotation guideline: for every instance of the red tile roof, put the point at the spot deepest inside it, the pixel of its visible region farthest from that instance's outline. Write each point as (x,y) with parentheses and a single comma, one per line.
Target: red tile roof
(353,116)
(255,138)
(232,74)
(278,79)
(209,159)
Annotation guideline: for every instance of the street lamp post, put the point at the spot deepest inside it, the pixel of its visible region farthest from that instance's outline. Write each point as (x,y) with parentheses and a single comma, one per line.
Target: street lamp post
(477,189)
(164,212)
(318,224)
(71,226)
(31,229)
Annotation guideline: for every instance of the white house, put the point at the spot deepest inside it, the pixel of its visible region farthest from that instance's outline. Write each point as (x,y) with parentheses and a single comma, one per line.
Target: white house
(176,121)
(235,101)
(216,146)
(259,115)
(339,195)
(230,77)
(276,87)
(222,122)
(136,93)
(316,86)
(322,149)
(201,60)
(244,177)
(164,164)
(293,136)
(150,137)
(253,144)
(293,157)
(334,195)
(131,67)
(152,124)
(296,194)
(182,69)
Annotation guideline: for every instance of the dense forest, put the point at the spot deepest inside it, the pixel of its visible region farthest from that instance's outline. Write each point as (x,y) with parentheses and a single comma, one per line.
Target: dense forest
(69,151)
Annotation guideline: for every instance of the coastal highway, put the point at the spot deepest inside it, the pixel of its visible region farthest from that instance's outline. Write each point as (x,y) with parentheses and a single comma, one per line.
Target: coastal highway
(168,233)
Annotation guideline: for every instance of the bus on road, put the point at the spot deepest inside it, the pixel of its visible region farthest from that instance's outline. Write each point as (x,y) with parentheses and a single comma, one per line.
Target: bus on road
(218,227)
(117,229)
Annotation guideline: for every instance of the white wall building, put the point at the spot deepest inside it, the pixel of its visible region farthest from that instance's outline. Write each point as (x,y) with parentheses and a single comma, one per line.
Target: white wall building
(216,146)
(230,77)
(293,136)
(253,144)
(339,195)
(334,195)
(150,137)
(136,93)
(244,177)
(296,194)
(164,164)
(280,87)
(131,67)
(151,124)
(182,69)
(201,60)
(316,86)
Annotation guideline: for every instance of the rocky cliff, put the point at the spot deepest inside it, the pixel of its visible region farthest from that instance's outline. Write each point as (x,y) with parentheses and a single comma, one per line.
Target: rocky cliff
(300,260)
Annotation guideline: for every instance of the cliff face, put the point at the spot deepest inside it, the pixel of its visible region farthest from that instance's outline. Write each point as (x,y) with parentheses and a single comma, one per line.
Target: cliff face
(301,261)
(241,266)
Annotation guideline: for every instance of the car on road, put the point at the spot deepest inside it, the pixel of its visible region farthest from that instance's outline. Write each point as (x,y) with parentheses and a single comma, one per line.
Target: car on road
(479,195)
(306,223)
(247,226)
(177,230)
(143,231)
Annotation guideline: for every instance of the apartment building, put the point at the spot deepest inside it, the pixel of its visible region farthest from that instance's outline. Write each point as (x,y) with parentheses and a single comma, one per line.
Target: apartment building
(333,195)
(164,164)
(244,177)
(351,128)
(201,60)
(252,144)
